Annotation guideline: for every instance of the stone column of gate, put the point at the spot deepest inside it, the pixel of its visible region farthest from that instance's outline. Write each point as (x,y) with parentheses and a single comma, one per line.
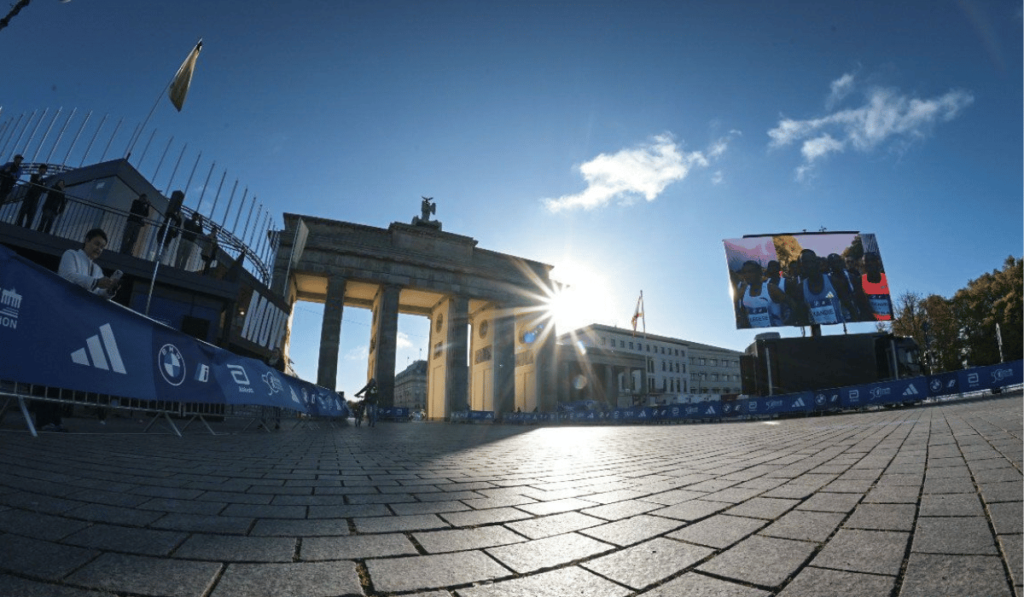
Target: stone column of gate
(504,361)
(547,394)
(385,331)
(330,333)
(457,382)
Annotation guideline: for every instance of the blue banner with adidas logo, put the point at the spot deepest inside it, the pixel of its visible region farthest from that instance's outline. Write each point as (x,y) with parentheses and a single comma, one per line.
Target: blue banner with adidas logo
(56,334)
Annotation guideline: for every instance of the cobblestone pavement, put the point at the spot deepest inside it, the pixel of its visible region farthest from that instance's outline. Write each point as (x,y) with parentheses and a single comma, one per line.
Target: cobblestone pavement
(917,501)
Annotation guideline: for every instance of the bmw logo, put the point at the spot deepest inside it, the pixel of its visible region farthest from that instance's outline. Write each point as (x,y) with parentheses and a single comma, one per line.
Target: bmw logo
(171,364)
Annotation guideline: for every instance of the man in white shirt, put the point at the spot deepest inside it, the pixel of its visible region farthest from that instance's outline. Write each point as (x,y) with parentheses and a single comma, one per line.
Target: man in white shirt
(78,266)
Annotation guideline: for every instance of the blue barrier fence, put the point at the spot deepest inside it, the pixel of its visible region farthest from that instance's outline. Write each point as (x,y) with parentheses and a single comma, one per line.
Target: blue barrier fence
(889,393)
(56,334)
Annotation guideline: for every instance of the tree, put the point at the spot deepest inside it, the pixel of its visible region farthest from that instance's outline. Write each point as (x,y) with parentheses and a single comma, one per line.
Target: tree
(787,248)
(996,297)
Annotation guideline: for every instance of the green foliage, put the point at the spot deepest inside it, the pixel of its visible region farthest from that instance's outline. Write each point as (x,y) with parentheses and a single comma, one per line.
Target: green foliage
(962,330)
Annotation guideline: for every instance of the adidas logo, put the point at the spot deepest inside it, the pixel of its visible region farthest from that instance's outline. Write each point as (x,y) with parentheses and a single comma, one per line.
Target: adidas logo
(911,391)
(798,403)
(94,351)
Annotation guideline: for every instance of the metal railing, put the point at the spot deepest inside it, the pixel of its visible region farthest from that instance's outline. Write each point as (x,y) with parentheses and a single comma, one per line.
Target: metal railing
(81,215)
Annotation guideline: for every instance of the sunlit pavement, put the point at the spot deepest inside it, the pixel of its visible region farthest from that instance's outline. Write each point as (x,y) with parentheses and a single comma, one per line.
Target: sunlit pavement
(917,501)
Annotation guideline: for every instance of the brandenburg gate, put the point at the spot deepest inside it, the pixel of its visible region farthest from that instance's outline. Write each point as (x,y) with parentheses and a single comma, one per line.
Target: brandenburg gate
(491,343)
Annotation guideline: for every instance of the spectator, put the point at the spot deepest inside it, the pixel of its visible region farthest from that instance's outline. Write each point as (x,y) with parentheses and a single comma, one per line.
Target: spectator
(137,215)
(192,229)
(210,247)
(54,205)
(30,203)
(370,398)
(79,266)
(9,175)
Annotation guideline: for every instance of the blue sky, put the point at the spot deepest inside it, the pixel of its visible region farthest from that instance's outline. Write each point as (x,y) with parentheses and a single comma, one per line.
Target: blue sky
(619,142)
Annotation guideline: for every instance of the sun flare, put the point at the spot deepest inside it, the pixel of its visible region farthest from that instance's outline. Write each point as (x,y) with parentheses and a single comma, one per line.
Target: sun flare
(583,298)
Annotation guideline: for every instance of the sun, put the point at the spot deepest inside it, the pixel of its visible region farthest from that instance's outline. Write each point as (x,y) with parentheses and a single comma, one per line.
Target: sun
(583,299)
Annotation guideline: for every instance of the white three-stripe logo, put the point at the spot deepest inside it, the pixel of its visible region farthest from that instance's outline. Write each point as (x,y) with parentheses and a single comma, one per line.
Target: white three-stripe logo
(910,391)
(94,350)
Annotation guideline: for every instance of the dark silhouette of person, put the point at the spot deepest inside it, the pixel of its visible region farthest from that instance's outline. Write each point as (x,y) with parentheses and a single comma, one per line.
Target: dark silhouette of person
(30,203)
(53,206)
(9,175)
(137,215)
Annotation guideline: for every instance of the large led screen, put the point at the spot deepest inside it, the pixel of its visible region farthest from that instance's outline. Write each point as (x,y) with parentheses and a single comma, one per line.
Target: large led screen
(825,278)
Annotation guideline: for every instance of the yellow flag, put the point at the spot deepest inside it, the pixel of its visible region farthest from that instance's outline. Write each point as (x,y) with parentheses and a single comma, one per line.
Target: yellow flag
(179,86)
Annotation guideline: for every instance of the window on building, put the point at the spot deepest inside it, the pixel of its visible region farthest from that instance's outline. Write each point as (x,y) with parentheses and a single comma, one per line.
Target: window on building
(713,362)
(714,377)
(602,340)
(703,361)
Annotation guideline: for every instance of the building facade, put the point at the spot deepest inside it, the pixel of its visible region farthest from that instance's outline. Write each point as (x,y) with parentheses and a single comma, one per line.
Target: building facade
(622,368)
(411,386)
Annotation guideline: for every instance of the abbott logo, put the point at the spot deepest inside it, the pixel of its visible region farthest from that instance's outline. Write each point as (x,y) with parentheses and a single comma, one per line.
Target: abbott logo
(171,364)
(93,354)
(238,374)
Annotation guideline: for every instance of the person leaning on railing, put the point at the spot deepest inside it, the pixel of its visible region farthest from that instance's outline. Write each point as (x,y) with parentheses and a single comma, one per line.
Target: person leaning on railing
(53,206)
(78,266)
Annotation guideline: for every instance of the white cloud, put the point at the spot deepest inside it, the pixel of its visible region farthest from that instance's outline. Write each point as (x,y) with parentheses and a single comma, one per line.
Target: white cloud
(403,340)
(841,87)
(886,116)
(717,177)
(820,147)
(642,171)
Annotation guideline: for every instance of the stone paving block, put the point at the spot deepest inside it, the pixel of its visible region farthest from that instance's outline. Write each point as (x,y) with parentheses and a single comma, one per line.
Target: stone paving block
(433,571)
(648,562)
(546,526)
(232,548)
(849,486)
(996,475)
(147,576)
(405,509)
(556,506)
(948,485)
(884,517)
(814,582)
(480,517)
(546,553)
(114,514)
(37,502)
(893,494)
(951,504)
(127,539)
(300,528)
(396,524)
(38,525)
(466,539)
(187,506)
(764,561)
(1012,547)
(875,552)
(791,491)
(620,510)
(733,495)
(240,497)
(1003,491)
(692,510)
(719,531)
(500,501)
(566,582)
(196,523)
(831,502)
(264,511)
(631,530)
(348,511)
(611,497)
(948,472)
(1007,517)
(300,579)
(967,535)
(693,584)
(355,547)
(763,507)
(41,559)
(804,525)
(20,587)
(673,497)
(929,575)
